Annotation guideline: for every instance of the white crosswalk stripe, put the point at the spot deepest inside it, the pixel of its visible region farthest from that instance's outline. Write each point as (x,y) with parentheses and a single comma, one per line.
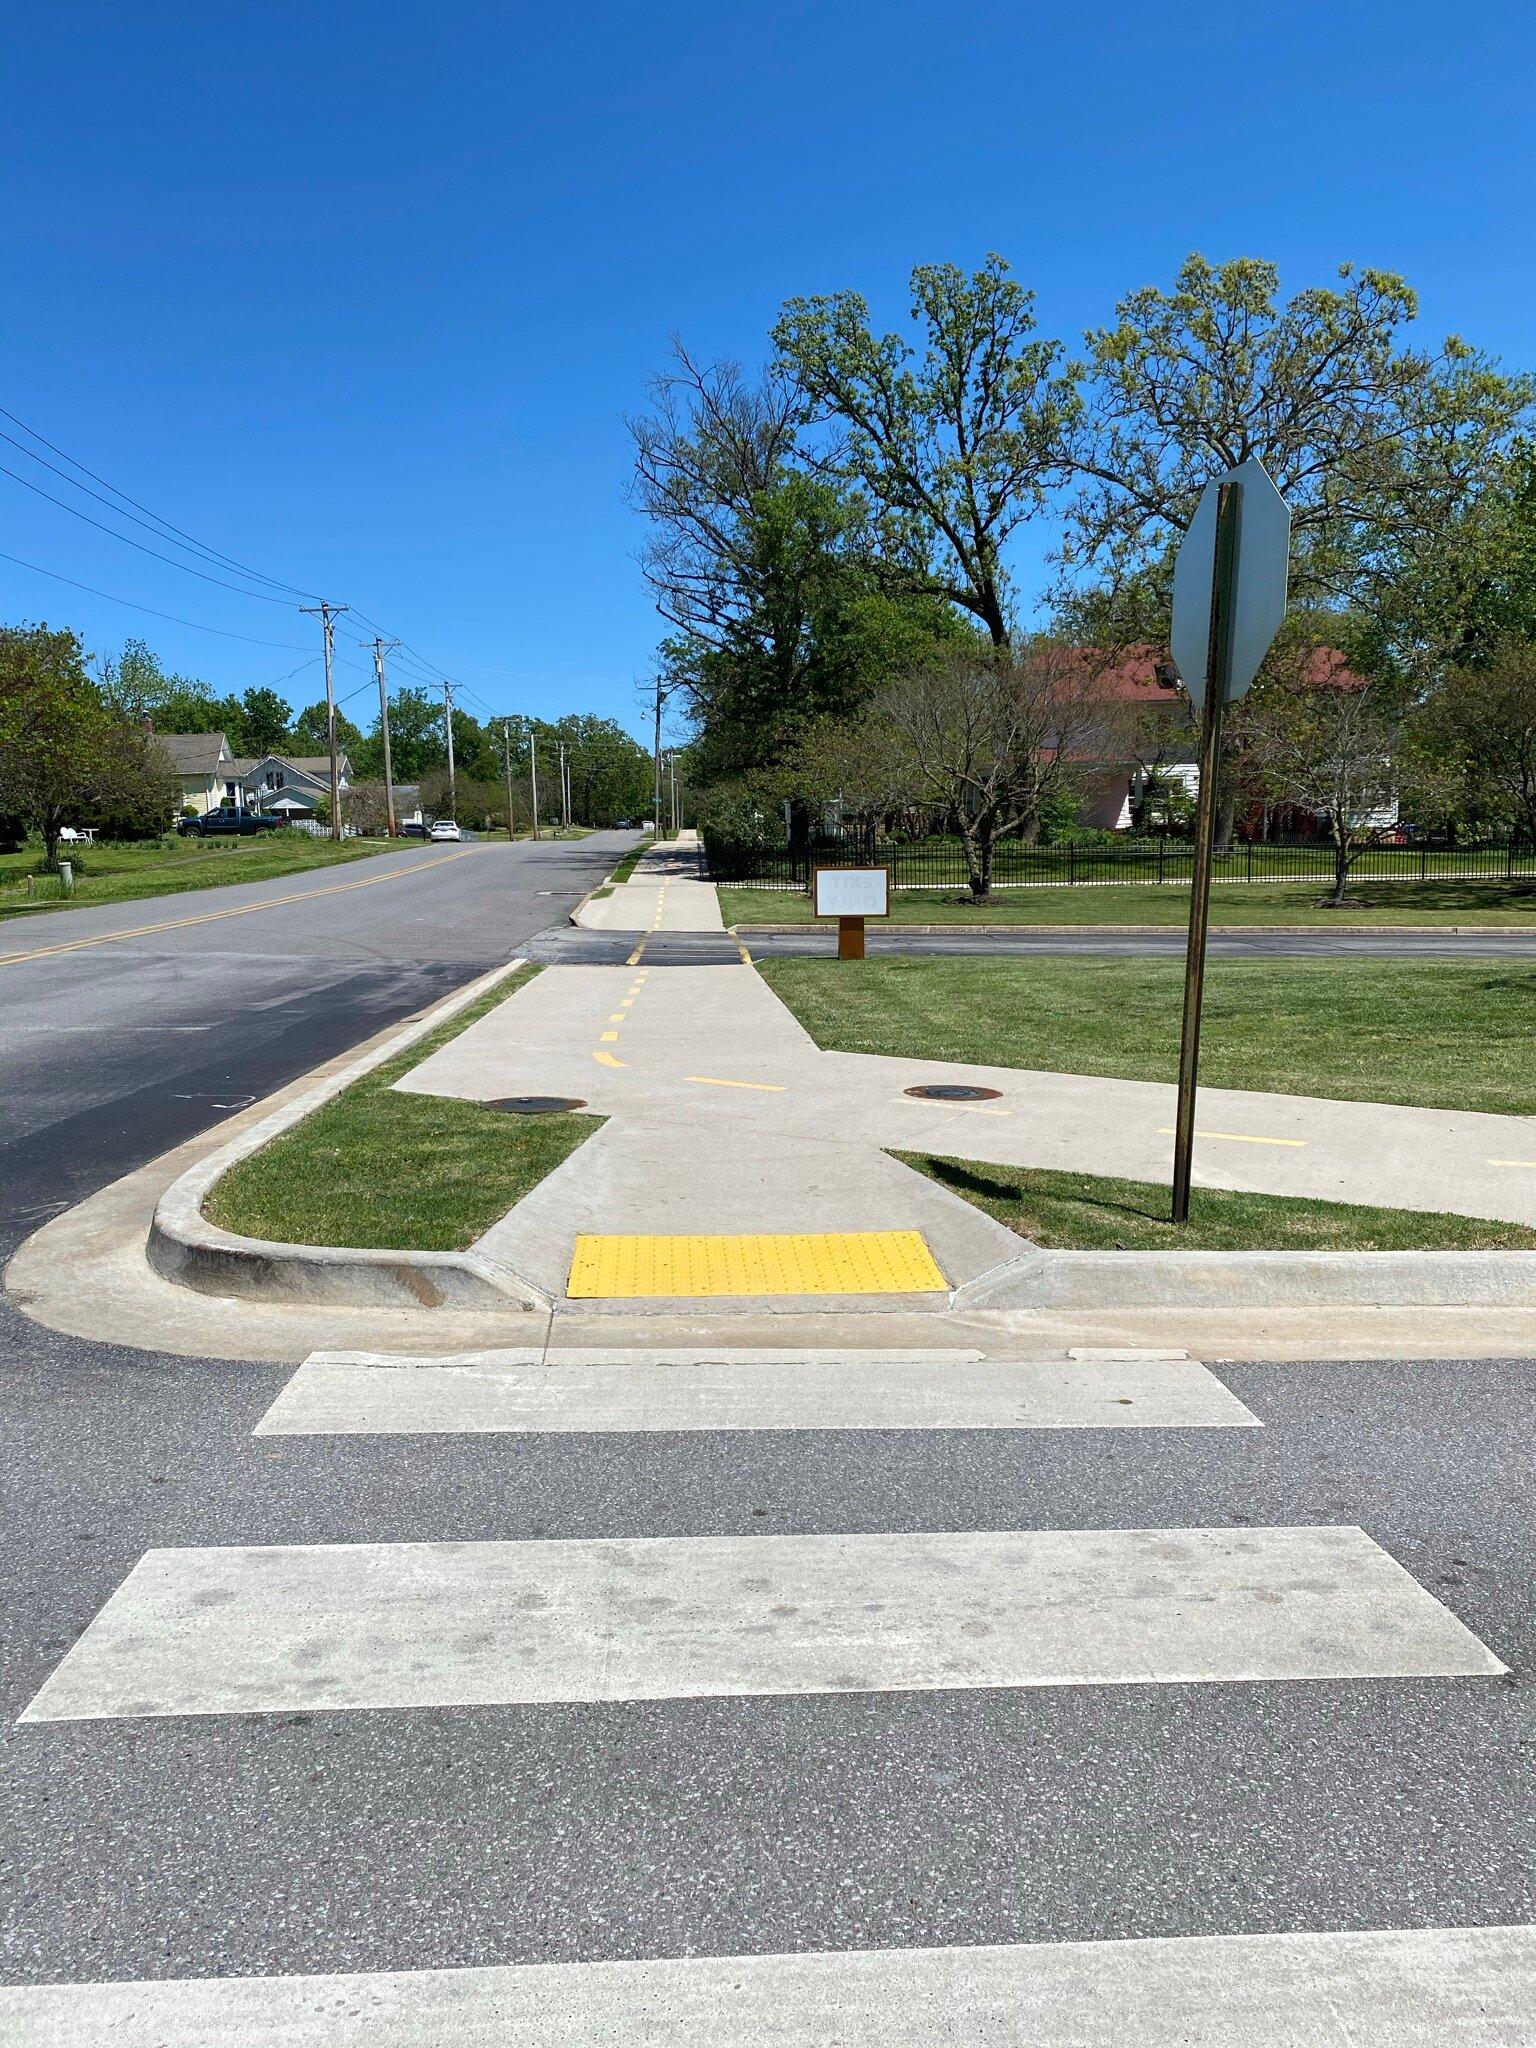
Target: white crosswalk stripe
(452,1624)
(394,1627)
(1469,1987)
(361,1393)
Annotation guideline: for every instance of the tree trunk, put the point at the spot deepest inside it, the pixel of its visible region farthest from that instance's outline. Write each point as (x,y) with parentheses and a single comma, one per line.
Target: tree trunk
(990,606)
(978,864)
(50,830)
(1341,864)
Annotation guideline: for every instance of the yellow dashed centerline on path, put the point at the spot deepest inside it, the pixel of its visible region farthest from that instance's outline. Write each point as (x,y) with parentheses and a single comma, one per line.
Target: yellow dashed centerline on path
(714,1081)
(829,1262)
(176,924)
(1514,1162)
(606,1059)
(1240,1138)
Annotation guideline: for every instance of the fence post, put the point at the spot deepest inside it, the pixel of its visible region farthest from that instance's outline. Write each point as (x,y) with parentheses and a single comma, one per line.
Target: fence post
(1509,859)
(1162,847)
(1071,863)
(1424,861)
(1249,876)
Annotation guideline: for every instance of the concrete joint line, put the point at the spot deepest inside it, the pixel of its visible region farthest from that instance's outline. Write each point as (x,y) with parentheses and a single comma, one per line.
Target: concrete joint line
(184,1247)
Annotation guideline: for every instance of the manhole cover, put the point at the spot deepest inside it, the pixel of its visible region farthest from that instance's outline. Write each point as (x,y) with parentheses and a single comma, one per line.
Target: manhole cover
(537,1105)
(953,1091)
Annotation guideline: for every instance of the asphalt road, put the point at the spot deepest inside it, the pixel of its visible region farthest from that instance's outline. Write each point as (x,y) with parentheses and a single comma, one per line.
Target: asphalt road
(127,1027)
(576,947)
(369,1840)
(392,1839)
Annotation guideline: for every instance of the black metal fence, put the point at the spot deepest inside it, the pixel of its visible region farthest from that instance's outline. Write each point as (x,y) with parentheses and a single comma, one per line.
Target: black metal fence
(940,864)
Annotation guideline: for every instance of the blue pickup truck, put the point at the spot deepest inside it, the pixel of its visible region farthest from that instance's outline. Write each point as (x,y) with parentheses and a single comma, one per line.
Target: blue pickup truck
(226,822)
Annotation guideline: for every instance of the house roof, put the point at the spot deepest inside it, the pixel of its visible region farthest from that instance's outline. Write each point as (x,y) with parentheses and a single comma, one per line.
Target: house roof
(313,767)
(195,753)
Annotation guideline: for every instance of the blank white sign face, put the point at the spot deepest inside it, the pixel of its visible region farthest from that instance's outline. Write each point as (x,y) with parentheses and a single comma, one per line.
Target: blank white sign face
(853,892)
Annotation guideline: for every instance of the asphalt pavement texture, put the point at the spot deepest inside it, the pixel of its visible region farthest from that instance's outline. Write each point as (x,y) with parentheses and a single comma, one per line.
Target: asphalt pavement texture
(573,946)
(301,1842)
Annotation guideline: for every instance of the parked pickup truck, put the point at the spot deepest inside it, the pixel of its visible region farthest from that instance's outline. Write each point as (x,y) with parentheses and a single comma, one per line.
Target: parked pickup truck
(213,823)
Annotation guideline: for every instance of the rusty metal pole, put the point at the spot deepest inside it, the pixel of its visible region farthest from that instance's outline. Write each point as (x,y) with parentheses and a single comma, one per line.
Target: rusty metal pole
(1229,513)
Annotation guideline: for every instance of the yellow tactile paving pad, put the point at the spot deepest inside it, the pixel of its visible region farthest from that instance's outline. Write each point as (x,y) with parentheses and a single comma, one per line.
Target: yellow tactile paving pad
(823,1262)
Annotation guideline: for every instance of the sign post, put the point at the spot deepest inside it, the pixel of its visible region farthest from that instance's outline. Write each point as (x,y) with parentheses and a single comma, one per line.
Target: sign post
(1228,604)
(850,895)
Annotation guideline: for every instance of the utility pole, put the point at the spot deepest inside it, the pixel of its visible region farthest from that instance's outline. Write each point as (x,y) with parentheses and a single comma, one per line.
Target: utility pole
(656,813)
(506,753)
(676,816)
(453,781)
(533,769)
(380,648)
(328,614)
(565,816)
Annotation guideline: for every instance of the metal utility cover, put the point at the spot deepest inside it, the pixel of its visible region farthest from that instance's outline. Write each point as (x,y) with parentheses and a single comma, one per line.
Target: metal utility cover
(1263,563)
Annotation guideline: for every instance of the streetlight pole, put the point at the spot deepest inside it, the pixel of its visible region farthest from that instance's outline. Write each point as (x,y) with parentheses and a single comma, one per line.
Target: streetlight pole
(533,769)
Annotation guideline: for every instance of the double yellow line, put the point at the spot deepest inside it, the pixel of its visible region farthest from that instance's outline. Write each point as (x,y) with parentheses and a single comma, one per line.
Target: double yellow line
(176,924)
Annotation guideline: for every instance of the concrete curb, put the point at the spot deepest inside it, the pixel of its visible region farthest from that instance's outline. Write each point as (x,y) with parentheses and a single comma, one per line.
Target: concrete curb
(1192,1280)
(184,1247)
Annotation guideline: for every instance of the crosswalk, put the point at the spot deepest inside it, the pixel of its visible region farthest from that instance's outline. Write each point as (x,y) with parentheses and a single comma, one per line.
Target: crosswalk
(401,1627)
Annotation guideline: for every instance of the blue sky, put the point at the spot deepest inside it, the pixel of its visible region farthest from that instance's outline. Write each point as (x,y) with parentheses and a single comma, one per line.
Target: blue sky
(358,294)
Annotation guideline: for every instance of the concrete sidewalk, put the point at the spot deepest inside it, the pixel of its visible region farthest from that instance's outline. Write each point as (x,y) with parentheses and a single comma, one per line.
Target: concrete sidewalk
(666,893)
(725,1116)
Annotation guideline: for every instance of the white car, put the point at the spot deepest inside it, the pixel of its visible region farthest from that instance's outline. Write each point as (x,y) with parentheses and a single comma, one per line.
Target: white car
(445,828)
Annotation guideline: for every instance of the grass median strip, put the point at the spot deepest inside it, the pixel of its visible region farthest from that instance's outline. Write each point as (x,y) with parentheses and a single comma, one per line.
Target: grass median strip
(384,1170)
(1441,1034)
(1095,1212)
(1256,904)
(121,874)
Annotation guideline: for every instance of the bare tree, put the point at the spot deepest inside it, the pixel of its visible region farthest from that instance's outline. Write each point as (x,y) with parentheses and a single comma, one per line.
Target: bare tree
(712,444)
(1322,738)
(989,735)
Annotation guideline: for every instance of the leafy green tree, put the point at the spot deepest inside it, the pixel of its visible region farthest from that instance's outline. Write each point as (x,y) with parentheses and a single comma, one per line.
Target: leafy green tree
(955,449)
(311,731)
(1377,445)
(263,725)
(1470,747)
(66,755)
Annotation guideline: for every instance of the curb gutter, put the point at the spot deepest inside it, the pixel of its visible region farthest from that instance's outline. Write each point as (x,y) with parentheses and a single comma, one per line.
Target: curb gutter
(184,1247)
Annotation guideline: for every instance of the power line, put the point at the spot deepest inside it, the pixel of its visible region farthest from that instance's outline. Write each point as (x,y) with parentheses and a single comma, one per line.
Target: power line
(149,610)
(128,541)
(216,554)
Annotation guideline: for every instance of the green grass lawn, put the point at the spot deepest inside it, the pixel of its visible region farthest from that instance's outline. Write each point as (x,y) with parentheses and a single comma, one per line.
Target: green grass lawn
(627,865)
(1093,1212)
(1144,903)
(376,1168)
(1448,1034)
(116,874)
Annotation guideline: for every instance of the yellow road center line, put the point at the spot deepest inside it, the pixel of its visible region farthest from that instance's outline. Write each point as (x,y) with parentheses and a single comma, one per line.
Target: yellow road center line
(610,1038)
(1240,1138)
(617,1017)
(714,1081)
(634,958)
(606,1059)
(1513,1162)
(176,924)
